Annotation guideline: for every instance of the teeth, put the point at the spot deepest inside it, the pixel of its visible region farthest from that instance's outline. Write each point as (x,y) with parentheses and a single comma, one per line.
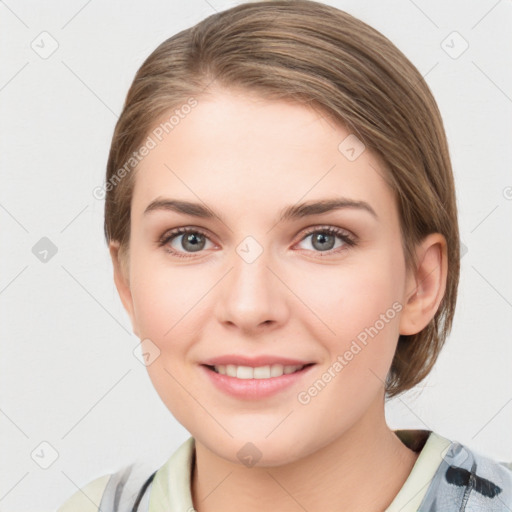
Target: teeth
(260,372)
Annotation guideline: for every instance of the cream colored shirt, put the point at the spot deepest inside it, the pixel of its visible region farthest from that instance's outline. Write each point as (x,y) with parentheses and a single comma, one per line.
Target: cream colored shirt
(171,488)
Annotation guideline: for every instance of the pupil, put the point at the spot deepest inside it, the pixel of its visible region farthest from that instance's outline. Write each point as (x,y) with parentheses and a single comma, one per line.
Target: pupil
(321,237)
(192,238)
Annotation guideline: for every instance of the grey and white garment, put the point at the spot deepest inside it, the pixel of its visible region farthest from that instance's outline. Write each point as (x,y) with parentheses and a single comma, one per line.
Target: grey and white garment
(464,481)
(467,481)
(127,490)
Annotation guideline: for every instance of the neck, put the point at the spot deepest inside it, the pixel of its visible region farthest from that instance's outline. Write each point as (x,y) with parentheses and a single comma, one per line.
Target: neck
(361,470)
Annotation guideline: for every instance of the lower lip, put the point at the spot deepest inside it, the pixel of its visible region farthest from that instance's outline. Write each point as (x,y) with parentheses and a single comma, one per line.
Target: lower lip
(254,388)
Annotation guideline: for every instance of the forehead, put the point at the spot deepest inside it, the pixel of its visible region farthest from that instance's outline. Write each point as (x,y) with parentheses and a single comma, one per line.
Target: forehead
(236,150)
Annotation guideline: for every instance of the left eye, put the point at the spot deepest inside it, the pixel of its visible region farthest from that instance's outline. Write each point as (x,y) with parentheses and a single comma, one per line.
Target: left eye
(324,239)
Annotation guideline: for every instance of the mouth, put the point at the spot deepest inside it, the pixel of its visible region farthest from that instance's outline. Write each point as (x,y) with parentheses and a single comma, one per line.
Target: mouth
(255,382)
(267,372)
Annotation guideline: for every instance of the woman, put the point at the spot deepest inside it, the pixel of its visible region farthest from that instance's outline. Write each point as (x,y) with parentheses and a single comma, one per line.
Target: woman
(281,217)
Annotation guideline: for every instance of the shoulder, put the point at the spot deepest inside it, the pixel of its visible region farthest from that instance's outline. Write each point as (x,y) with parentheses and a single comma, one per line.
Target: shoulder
(112,492)
(88,498)
(130,486)
(471,480)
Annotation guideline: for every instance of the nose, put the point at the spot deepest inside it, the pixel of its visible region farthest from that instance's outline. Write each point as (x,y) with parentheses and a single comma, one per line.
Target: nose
(252,296)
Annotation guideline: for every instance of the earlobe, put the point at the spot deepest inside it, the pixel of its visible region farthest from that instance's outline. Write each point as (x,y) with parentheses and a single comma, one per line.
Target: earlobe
(426,285)
(122,282)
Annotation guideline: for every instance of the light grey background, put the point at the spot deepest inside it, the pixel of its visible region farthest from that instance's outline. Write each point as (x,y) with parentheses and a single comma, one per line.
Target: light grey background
(69,377)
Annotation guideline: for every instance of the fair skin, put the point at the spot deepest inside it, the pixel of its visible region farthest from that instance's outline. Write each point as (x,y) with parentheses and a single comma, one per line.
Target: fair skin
(247,158)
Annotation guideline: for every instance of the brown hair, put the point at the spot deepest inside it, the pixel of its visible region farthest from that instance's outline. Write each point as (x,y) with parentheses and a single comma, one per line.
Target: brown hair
(317,55)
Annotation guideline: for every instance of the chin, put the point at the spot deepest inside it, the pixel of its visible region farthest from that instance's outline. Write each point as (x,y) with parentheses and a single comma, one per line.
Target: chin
(254,450)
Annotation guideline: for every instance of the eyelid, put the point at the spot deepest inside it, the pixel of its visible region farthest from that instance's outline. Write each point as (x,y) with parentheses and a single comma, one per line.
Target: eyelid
(169,234)
(348,238)
(329,228)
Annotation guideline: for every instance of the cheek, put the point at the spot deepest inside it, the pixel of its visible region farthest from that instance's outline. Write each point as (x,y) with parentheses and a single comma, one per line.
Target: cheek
(362,308)
(349,298)
(166,303)
(359,308)
(169,312)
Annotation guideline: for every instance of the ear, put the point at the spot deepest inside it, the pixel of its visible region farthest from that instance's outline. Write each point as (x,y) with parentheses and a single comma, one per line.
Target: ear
(425,285)
(122,281)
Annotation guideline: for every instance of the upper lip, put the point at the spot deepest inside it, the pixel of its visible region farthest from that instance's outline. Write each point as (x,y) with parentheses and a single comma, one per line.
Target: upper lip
(262,360)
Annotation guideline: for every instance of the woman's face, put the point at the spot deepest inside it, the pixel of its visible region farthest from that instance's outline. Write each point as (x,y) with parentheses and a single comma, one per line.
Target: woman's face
(248,282)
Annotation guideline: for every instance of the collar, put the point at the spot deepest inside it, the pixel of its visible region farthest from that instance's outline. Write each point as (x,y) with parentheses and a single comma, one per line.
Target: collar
(171,488)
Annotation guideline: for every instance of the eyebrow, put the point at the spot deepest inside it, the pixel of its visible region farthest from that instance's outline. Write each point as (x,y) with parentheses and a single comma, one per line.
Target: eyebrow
(292,212)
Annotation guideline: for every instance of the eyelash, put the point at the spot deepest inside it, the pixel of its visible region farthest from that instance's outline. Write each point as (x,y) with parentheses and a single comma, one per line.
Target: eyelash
(330,230)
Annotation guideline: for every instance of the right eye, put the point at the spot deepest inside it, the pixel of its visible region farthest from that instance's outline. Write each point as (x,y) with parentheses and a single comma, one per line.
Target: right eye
(189,240)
